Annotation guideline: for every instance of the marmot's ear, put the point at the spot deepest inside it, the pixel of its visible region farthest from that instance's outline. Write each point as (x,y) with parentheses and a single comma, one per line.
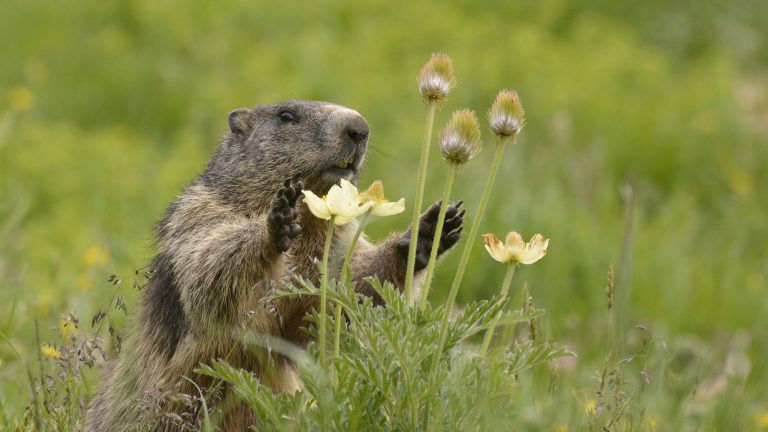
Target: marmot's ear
(240,121)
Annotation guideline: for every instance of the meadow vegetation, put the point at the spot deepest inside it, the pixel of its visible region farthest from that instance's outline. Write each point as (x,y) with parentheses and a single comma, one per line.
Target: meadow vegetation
(643,159)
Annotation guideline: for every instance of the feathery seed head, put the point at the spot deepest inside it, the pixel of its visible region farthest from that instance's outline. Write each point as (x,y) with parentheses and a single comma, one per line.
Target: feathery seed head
(460,140)
(436,79)
(506,116)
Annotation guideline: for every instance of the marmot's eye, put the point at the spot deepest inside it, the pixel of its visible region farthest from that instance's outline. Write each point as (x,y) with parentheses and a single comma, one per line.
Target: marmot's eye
(286,116)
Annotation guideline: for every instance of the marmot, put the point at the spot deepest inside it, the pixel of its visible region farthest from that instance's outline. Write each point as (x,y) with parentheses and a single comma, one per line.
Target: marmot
(232,234)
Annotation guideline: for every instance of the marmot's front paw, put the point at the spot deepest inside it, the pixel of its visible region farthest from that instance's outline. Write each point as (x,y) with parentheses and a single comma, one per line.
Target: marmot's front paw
(448,237)
(281,221)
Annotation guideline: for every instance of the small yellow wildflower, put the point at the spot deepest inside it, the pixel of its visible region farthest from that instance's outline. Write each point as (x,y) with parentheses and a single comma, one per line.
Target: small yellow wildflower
(653,423)
(21,99)
(560,428)
(590,407)
(45,299)
(50,351)
(67,328)
(514,249)
(381,207)
(96,255)
(741,182)
(342,203)
(84,282)
(761,419)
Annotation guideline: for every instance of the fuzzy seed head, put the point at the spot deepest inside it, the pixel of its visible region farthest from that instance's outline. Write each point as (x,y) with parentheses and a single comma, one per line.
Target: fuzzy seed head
(506,116)
(436,79)
(460,140)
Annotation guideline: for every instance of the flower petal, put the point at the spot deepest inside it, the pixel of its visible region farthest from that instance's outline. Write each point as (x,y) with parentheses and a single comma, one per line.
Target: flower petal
(534,250)
(388,208)
(316,205)
(495,248)
(514,239)
(352,213)
(342,200)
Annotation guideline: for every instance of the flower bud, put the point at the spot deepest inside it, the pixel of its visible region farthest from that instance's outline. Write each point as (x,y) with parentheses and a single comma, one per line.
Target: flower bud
(506,116)
(436,79)
(460,140)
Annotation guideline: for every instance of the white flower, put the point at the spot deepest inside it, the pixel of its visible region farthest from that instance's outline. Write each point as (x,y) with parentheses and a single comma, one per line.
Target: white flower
(342,203)
(515,249)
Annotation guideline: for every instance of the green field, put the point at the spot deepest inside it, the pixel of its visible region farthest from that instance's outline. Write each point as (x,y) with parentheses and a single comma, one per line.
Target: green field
(645,151)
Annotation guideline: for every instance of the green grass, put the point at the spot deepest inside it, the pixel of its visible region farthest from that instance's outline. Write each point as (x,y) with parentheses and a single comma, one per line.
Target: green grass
(130,99)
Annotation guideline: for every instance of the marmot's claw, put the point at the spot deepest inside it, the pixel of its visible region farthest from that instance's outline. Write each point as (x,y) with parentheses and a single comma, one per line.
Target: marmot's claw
(449,236)
(282,217)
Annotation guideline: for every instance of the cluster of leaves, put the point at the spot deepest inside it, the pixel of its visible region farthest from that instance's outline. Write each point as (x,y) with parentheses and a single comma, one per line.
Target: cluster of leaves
(390,375)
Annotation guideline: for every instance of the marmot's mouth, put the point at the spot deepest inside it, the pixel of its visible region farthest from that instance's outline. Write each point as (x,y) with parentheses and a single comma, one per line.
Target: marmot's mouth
(346,169)
(346,163)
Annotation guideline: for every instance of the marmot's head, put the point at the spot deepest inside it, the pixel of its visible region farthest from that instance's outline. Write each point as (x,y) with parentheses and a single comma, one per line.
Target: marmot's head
(318,142)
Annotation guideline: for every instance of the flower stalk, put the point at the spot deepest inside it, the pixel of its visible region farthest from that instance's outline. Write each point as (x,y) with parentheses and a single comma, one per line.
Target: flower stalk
(417,202)
(497,157)
(459,142)
(438,232)
(436,80)
(343,280)
(504,290)
(324,289)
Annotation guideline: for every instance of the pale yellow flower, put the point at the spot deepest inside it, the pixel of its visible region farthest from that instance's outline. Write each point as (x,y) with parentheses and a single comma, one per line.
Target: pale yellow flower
(436,79)
(21,99)
(50,351)
(506,116)
(381,206)
(515,249)
(342,203)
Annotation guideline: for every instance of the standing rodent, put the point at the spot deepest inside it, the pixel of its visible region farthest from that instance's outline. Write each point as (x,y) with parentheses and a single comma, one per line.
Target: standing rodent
(235,232)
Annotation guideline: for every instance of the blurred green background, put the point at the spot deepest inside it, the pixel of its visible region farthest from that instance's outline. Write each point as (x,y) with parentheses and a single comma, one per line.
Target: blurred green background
(654,112)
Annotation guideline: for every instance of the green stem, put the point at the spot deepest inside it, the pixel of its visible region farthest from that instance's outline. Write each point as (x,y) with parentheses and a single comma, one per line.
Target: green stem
(343,280)
(324,289)
(420,178)
(497,156)
(504,289)
(438,232)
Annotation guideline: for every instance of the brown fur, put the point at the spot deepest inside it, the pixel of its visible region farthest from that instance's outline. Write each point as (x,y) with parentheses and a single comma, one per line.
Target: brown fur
(216,258)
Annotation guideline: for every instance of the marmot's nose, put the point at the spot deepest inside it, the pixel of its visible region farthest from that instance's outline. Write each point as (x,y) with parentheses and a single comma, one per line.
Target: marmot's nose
(356,128)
